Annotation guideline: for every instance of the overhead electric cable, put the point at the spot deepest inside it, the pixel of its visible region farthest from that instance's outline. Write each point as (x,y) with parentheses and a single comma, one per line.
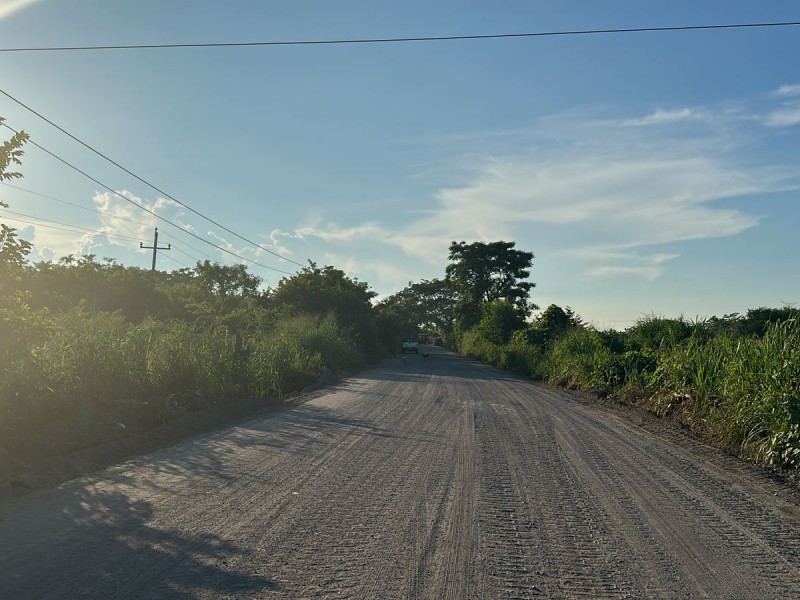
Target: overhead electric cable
(86,208)
(168,257)
(112,215)
(395,40)
(174,247)
(74,228)
(147,210)
(169,236)
(144,181)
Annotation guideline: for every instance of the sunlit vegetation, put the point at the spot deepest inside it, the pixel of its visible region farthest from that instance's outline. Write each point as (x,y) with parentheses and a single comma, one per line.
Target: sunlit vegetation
(85,339)
(734,380)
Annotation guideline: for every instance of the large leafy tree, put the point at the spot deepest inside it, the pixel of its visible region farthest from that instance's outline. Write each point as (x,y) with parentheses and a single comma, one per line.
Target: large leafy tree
(422,307)
(552,324)
(481,272)
(500,321)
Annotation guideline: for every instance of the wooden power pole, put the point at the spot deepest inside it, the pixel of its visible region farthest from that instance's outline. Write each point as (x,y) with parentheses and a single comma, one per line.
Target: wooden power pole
(155,248)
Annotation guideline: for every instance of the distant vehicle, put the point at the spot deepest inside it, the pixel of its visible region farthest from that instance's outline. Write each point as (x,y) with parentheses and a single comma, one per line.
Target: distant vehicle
(410,344)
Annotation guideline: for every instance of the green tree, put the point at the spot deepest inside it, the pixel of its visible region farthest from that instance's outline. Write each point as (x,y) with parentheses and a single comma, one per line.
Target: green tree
(500,320)
(228,293)
(328,290)
(12,249)
(423,307)
(101,286)
(484,272)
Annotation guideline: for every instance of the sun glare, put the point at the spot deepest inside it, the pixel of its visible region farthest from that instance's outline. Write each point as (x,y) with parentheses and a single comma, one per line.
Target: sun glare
(8,7)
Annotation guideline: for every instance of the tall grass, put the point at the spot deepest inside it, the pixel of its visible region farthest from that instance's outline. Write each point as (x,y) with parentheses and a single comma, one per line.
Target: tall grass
(739,391)
(747,389)
(78,364)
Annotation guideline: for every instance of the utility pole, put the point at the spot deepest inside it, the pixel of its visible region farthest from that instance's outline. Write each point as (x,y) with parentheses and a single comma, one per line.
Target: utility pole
(155,248)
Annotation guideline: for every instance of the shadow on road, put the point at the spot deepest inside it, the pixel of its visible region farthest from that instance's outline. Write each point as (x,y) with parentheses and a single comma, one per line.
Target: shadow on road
(299,430)
(440,362)
(101,545)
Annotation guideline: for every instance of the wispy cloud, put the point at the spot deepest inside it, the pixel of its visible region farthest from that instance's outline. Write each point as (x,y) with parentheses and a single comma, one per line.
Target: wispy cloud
(786,116)
(602,193)
(9,7)
(788,90)
(665,117)
(649,273)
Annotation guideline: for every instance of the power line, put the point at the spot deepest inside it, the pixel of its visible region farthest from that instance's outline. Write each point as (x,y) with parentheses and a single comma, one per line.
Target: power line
(394,40)
(144,181)
(38,223)
(112,215)
(194,258)
(86,208)
(41,220)
(79,229)
(167,256)
(147,210)
(174,239)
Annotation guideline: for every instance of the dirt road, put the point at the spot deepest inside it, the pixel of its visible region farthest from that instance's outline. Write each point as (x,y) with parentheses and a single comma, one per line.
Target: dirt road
(428,478)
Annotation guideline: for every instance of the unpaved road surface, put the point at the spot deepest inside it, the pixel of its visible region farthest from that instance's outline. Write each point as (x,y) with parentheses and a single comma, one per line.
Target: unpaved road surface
(427,478)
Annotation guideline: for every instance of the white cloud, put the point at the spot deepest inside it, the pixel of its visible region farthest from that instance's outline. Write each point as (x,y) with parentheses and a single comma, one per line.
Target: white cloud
(648,273)
(661,258)
(787,116)
(641,199)
(611,199)
(665,117)
(787,90)
(334,233)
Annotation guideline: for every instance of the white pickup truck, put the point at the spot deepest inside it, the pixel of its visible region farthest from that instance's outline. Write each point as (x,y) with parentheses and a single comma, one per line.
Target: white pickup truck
(410,344)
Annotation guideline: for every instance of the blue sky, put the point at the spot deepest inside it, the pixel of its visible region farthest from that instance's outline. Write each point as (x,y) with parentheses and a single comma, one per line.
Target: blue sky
(649,173)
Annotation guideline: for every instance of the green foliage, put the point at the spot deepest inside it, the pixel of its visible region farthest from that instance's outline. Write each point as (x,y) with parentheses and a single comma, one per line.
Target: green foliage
(499,322)
(83,340)
(738,384)
(11,154)
(99,286)
(425,307)
(297,352)
(481,273)
(474,345)
(13,251)
(551,325)
(580,358)
(322,291)
(653,334)
(746,389)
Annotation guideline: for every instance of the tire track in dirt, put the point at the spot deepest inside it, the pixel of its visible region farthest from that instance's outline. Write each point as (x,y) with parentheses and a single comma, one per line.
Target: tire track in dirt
(731,522)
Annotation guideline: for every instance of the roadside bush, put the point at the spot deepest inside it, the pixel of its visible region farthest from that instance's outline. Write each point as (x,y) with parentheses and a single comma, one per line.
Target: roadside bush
(580,358)
(474,345)
(523,358)
(746,389)
(296,353)
(653,334)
